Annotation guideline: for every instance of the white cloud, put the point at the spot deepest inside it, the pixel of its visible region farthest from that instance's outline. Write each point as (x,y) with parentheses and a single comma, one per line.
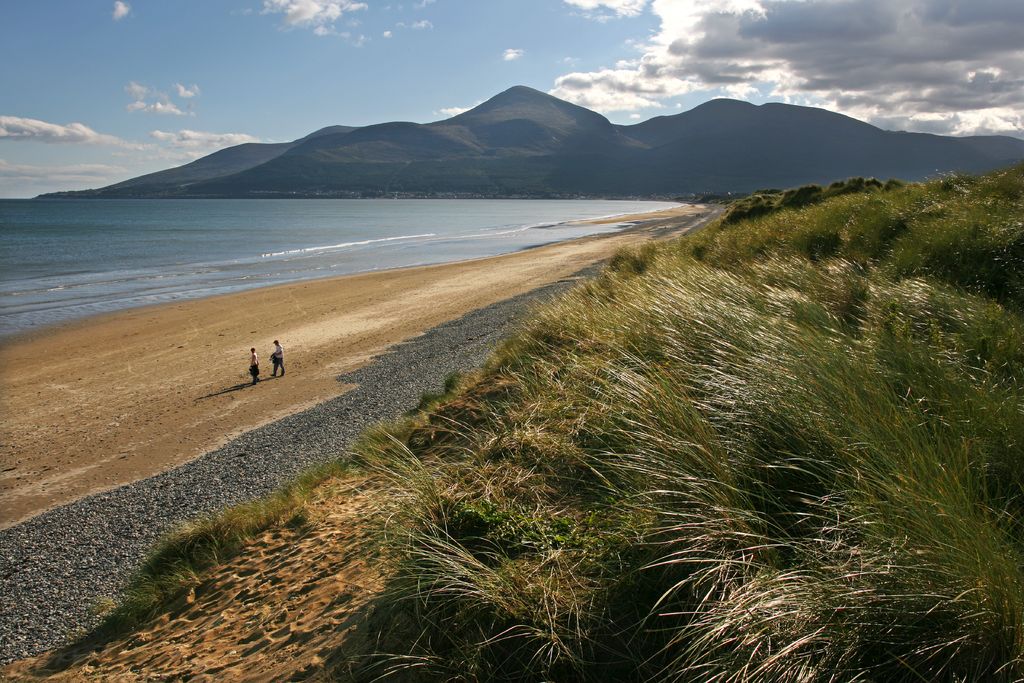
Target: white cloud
(29,180)
(67,173)
(154,101)
(16,128)
(449,112)
(387,34)
(185,92)
(198,143)
(137,91)
(932,65)
(158,107)
(423,3)
(990,121)
(618,8)
(121,10)
(421,25)
(512,54)
(313,14)
(357,40)
(618,89)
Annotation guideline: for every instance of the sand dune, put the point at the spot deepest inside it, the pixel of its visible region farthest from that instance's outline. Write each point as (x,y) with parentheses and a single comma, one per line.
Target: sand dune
(294,602)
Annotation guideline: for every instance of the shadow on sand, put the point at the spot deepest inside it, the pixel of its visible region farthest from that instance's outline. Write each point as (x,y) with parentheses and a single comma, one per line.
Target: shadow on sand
(236,387)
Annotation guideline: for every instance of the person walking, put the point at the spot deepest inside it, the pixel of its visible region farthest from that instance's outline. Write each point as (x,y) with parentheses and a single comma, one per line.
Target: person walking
(278,357)
(254,365)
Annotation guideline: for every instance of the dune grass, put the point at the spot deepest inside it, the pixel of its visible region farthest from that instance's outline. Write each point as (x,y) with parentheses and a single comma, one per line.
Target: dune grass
(764,202)
(789,448)
(964,231)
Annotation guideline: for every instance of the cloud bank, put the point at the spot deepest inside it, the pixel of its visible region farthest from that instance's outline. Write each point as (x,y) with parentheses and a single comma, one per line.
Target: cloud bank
(68,173)
(17,128)
(933,65)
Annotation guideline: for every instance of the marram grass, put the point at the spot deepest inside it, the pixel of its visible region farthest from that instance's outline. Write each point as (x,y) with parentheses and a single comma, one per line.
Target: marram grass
(790,448)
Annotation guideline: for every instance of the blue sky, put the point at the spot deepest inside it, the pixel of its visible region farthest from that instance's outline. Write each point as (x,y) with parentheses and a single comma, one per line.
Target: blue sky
(97,91)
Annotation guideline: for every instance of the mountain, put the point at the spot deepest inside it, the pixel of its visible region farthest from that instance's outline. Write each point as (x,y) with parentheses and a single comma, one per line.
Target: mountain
(523,142)
(518,142)
(738,146)
(227,161)
(524,120)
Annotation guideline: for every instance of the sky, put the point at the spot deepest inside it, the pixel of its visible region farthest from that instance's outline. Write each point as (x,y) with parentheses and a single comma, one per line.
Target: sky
(97,91)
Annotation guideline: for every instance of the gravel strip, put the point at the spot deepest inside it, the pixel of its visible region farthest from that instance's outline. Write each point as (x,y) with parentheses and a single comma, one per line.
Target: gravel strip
(56,566)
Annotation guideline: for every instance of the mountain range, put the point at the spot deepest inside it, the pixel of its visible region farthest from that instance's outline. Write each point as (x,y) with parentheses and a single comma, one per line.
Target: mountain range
(525,143)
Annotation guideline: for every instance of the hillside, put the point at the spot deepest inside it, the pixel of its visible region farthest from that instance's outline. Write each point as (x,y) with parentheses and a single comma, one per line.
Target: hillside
(224,162)
(788,447)
(522,142)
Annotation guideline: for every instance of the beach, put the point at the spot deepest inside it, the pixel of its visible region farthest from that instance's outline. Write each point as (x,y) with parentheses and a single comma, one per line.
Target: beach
(95,404)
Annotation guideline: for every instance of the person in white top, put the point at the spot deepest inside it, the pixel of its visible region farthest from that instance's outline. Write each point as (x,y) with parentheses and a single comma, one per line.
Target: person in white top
(278,357)
(254,365)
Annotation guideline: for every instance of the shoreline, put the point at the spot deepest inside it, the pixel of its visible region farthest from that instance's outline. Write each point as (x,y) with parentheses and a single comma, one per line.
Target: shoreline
(92,307)
(21,336)
(96,403)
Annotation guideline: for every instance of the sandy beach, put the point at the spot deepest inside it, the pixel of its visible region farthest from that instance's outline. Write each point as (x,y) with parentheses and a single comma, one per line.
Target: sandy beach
(112,399)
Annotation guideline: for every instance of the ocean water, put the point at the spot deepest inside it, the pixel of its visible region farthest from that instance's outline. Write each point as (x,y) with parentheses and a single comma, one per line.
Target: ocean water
(66,259)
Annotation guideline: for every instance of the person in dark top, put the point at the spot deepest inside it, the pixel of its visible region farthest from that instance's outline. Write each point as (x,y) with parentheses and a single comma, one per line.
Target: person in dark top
(278,357)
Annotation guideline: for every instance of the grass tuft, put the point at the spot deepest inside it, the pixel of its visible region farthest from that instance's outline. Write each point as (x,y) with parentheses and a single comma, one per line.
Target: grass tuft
(766,202)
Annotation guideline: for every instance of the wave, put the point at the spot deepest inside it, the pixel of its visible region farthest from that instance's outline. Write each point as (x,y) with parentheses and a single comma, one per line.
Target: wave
(523,229)
(512,231)
(343,245)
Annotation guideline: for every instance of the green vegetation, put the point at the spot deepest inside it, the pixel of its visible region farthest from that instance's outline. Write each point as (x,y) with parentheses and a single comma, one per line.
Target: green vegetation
(789,448)
(962,231)
(764,202)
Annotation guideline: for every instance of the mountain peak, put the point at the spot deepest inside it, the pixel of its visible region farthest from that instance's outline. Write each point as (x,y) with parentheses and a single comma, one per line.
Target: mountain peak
(328,130)
(724,103)
(521,102)
(518,98)
(523,92)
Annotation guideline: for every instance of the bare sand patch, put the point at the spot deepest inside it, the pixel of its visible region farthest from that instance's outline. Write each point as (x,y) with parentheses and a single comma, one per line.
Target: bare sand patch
(294,603)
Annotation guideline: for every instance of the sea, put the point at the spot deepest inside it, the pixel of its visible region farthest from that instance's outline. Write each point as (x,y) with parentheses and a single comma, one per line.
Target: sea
(61,260)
